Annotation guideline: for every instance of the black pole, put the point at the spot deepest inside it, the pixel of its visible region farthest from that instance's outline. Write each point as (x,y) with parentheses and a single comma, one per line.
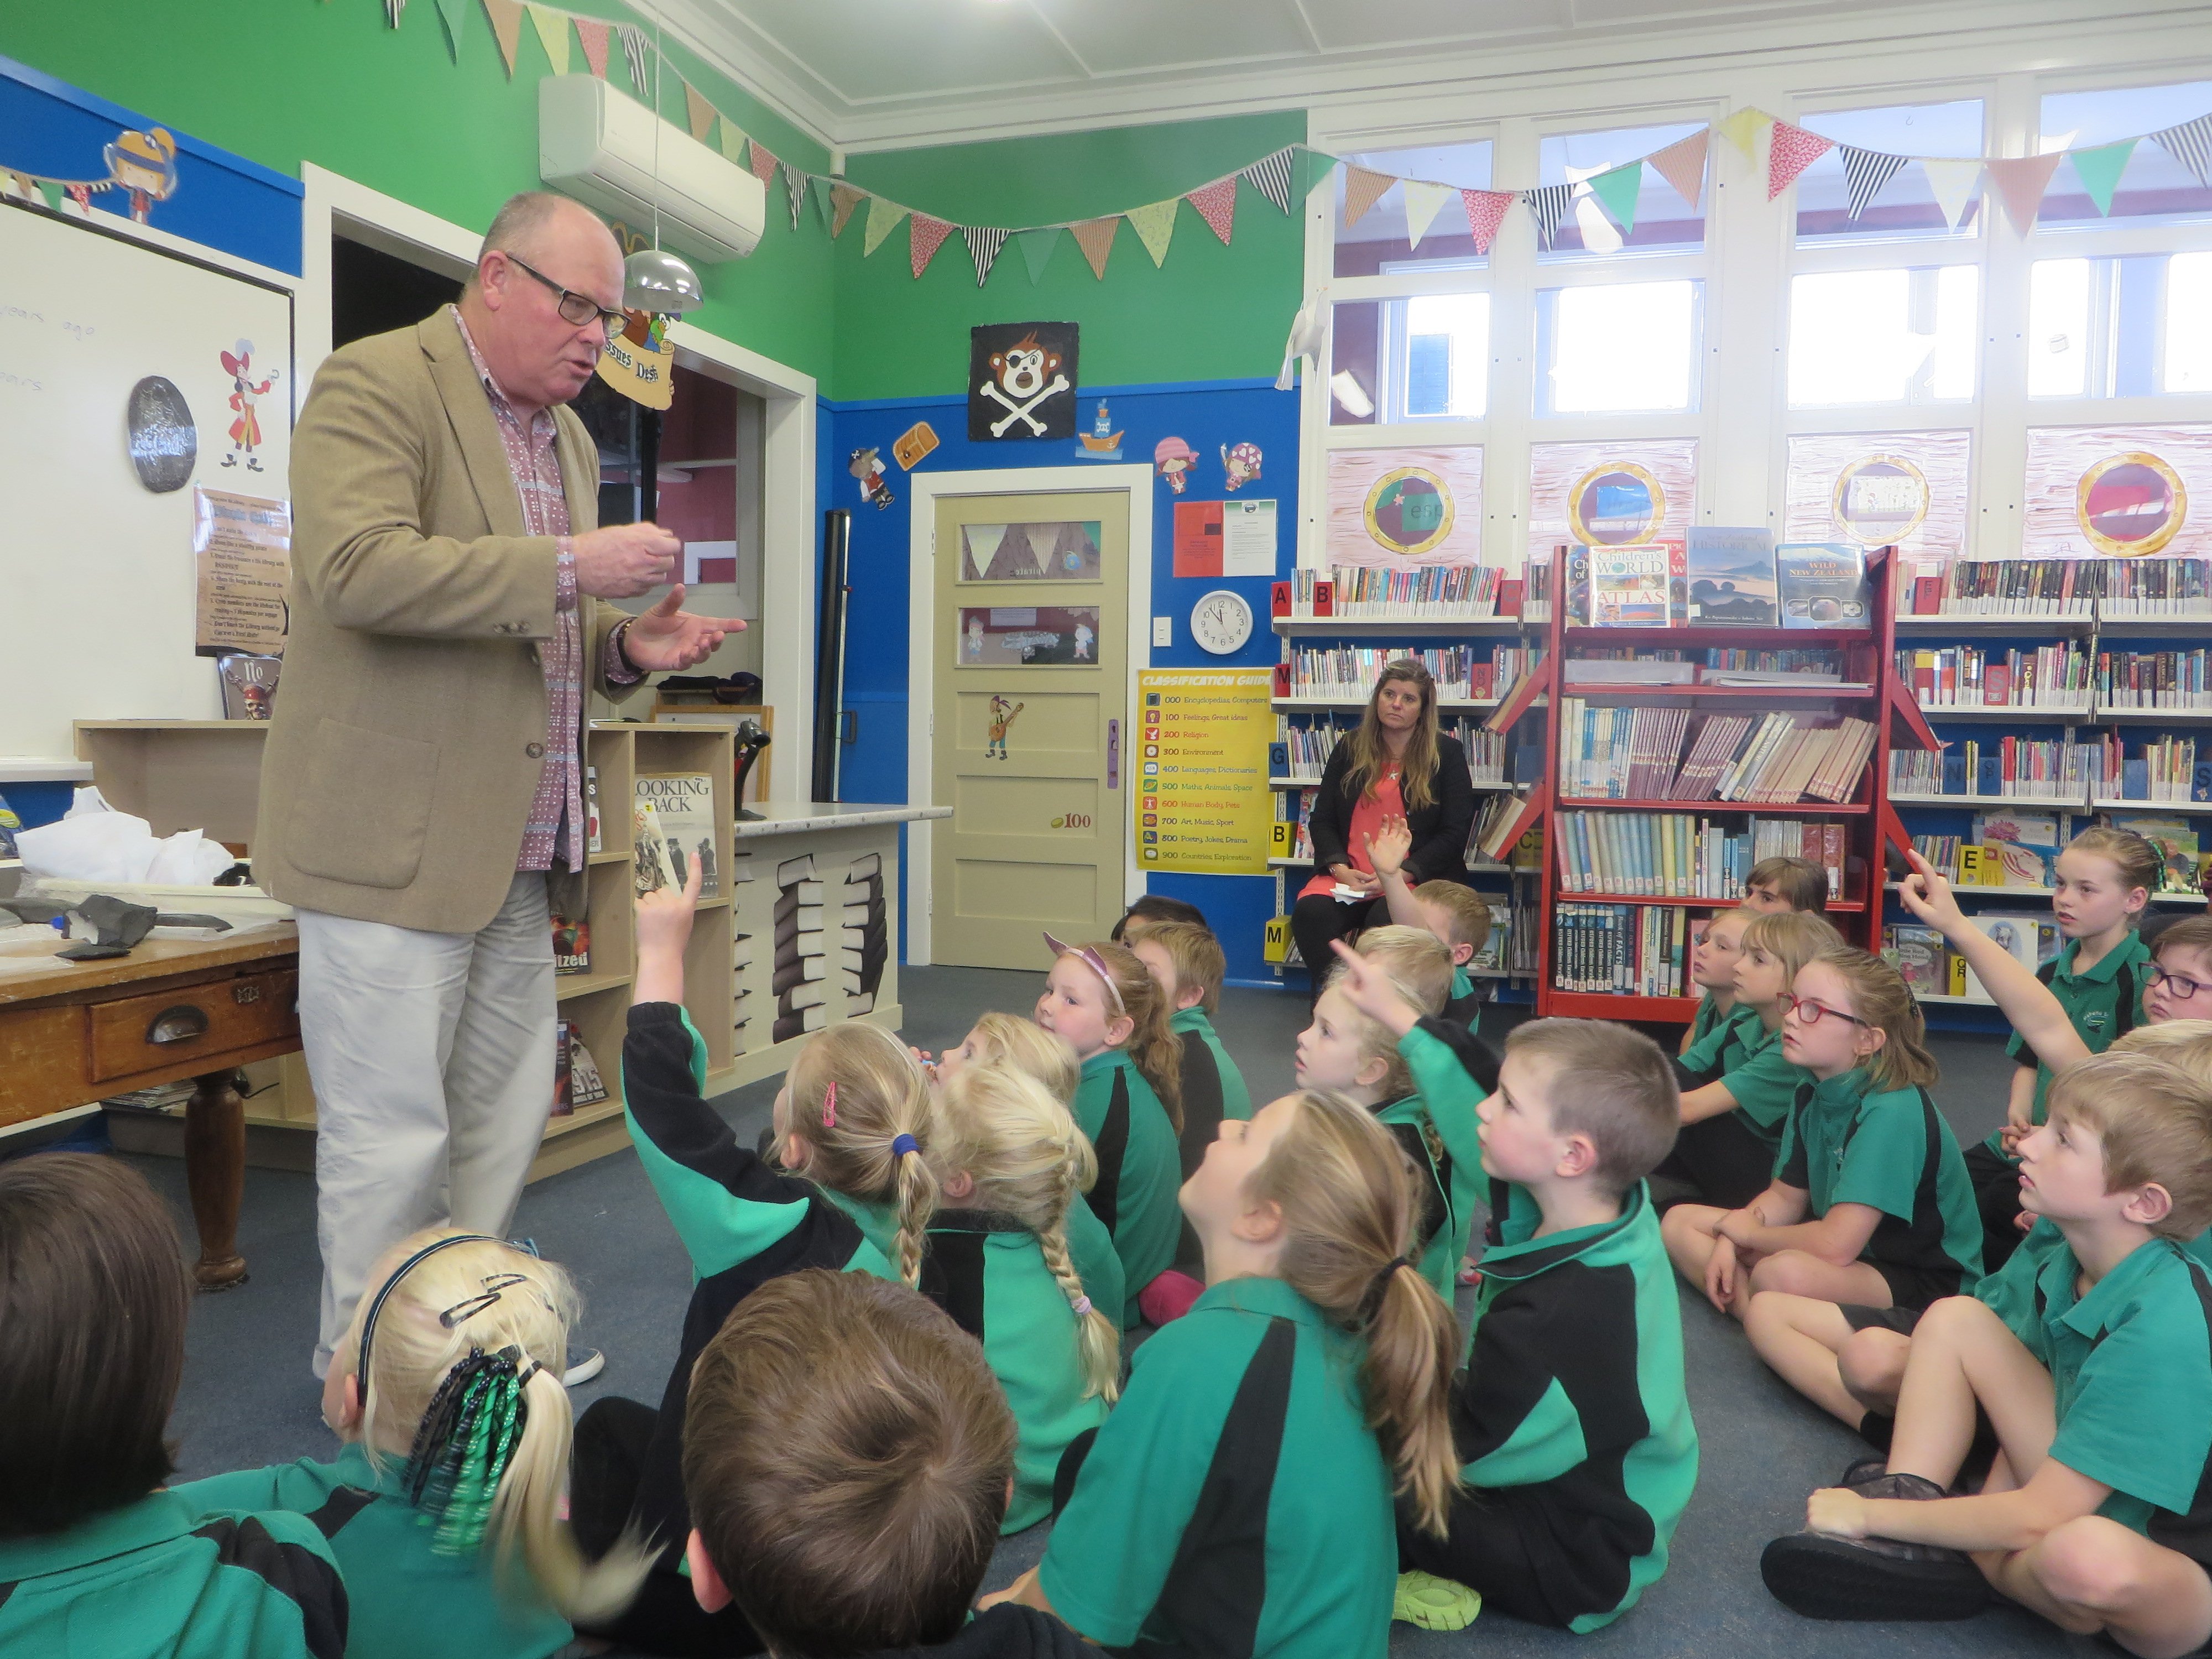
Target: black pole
(648,469)
(829,651)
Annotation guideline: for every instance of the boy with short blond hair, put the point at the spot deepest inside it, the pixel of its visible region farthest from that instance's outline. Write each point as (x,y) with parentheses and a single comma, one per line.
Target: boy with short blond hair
(1452,911)
(2094,1514)
(1786,883)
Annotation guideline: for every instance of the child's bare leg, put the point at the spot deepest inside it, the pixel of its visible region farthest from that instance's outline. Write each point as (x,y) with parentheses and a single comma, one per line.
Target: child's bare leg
(1799,1337)
(1962,1355)
(2094,1573)
(1871,1366)
(1687,1232)
(1800,1272)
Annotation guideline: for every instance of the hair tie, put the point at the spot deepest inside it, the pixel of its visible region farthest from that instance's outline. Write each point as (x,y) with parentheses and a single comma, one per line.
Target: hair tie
(830,1105)
(1370,1305)
(1082,1306)
(902,1145)
(464,1443)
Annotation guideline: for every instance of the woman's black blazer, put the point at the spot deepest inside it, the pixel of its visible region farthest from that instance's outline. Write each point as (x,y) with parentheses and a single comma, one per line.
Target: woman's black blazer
(1440,830)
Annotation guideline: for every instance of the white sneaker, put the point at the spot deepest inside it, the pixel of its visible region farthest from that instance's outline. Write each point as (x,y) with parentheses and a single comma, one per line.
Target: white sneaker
(583,1366)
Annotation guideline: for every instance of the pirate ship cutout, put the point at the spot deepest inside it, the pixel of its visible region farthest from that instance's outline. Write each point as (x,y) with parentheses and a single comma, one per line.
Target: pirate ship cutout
(1102,440)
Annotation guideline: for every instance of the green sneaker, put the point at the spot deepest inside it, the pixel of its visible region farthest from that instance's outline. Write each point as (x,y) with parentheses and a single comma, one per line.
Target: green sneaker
(1434,1603)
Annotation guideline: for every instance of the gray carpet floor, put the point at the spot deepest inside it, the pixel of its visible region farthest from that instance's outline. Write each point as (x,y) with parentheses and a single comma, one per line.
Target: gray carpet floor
(249,1400)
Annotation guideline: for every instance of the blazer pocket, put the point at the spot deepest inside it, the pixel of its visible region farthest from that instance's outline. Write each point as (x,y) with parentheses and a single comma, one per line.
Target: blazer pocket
(366,811)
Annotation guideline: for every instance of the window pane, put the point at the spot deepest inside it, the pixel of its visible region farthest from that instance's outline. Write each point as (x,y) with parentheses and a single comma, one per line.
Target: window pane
(2189,322)
(1426,358)
(1618,346)
(1663,219)
(1356,356)
(2058,329)
(1380,241)
(2153,184)
(1906,205)
(1882,336)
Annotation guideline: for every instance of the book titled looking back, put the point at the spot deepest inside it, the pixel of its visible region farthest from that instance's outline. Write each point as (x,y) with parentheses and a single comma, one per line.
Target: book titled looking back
(1823,585)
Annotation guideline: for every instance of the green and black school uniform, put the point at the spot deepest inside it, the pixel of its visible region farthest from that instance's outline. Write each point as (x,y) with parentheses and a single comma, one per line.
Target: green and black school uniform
(1439,1233)
(1235,1503)
(1727,1159)
(165,1576)
(1463,1006)
(1449,1087)
(1572,1423)
(2103,1003)
(988,1271)
(1890,1149)
(1139,1170)
(1710,1014)
(410,1601)
(1208,1070)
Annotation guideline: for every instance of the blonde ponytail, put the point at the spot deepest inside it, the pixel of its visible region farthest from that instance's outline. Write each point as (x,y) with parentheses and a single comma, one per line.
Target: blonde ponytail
(861,1101)
(1349,1205)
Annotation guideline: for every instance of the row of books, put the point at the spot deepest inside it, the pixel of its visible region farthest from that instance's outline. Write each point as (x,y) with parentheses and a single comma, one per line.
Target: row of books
(1966,676)
(1717,577)
(1463,674)
(1511,947)
(1682,855)
(1631,949)
(1637,754)
(1301,748)
(2008,765)
(1378,594)
(2161,768)
(1926,962)
(2155,680)
(1971,861)
(2113,588)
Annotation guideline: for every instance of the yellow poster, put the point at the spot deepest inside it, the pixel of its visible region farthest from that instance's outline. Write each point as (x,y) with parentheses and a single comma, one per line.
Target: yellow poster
(1202,801)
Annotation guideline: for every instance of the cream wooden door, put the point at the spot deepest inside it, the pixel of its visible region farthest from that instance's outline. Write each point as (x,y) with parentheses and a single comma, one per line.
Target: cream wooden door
(1030,668)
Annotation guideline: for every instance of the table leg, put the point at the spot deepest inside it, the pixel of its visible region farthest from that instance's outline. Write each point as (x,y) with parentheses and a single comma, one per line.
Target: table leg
(215,1170)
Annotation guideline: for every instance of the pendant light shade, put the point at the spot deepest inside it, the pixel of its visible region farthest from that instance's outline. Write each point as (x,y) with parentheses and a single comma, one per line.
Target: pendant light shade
(654,279)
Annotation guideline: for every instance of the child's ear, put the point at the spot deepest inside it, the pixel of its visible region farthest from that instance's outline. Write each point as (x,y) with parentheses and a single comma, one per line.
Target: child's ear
(1260,1225)
(1577,1157)
(1372,1071)
(708,1589)
(1462,953)
(2148,1204)
(957,1184)
(1871,1041)
(1119,1031)
(1189,996)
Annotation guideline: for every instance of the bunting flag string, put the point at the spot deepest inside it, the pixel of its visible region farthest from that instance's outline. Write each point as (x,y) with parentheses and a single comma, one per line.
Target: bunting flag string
(1789,151)
(1682,164)
(1271,176)
(454,14)
(983,246)
(924,235)
(1865,171)
(1485,211)
(2191,144)
(763,163)
(392,10)
(1741,129)
(823,201)
(1548,206)
(733,142)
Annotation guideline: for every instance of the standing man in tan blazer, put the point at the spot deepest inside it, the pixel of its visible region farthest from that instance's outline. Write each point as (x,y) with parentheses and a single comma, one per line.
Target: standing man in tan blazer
(424,769)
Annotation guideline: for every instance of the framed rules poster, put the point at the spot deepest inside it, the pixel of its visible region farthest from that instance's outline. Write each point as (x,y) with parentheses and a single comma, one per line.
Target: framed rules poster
(1201,805)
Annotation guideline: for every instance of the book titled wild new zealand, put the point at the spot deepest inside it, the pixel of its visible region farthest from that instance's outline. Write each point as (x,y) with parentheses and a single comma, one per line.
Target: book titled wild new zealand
(1824,584)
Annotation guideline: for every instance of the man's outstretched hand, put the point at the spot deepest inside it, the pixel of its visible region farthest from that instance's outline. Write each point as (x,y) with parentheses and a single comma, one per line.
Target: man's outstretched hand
(667,638)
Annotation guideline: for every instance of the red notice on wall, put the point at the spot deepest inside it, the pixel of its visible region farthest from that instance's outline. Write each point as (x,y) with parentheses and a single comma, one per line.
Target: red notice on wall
(1198,538)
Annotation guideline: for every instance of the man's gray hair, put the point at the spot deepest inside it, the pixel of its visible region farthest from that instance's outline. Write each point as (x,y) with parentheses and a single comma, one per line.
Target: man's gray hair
(520,224)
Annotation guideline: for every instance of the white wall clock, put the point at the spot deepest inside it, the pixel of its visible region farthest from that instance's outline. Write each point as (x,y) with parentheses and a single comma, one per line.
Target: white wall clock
(1220,622)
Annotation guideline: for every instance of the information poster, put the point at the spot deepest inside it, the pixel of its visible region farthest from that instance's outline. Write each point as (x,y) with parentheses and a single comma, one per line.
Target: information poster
(244,547)
(1201,802)
(1225,539)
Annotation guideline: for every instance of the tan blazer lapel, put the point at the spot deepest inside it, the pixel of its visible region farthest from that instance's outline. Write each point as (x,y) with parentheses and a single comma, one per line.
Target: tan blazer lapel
(476,429)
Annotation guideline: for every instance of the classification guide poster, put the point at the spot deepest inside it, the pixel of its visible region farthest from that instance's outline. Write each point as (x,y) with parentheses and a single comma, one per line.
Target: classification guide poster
(1201,802)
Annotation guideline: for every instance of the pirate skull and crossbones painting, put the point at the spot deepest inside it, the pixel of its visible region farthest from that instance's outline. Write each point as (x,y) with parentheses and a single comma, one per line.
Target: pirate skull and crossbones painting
(1021,381)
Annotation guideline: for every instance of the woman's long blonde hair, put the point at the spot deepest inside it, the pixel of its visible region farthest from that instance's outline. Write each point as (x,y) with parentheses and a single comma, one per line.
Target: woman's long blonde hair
(1029,1160)
(1155,1045)
(1350,1208)
(1366,754)
(882,1093)
(496,1297)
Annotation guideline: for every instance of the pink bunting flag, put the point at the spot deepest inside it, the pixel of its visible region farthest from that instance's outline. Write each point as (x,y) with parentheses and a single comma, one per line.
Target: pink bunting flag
(593,37)
(1682,164)
(1485,211)
(1791,150)
(2020,180)
(1217,204)
(762,161)
(925,237)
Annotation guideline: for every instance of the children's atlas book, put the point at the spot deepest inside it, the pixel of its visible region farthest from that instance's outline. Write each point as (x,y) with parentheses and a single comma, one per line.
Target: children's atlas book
(1823,585)
(1629,585)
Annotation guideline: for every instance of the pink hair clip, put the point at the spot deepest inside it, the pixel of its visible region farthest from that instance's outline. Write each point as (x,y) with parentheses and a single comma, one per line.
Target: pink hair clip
(830,1105)
(1089,959)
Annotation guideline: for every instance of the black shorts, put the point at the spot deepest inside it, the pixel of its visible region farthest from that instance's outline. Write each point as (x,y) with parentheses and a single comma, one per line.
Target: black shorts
(1722,1161)
(1996,1196)
(1861,1317)
(1917,1287)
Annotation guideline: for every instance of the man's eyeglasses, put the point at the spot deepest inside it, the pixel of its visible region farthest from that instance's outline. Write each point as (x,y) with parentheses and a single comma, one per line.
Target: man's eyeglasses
(1808,1012)
(2178,985)
(577,309)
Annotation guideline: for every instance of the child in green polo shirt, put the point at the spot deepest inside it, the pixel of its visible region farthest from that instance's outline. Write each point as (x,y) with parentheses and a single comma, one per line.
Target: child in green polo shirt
(1187,961)
(2105,878)
(2095,1514)
(1238,1500)
(1869,1203)
(1101,1000)
(1010,1164)
(1786,883)
(1453,912)
(1714,950)
(450,1545)
(846,1457)
(95,1559)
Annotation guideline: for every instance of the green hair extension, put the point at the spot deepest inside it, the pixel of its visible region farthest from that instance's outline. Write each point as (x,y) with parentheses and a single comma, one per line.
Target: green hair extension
(466,1440)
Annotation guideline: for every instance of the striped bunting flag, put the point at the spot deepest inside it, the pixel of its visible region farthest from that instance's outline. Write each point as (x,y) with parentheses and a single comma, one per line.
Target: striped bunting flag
(794,183)
(635,47)
(2191,144)
(1549,204)
(983,246)
(1271,176)
(1865,171)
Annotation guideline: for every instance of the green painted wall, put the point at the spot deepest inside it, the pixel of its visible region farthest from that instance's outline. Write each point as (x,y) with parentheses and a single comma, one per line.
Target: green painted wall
(284,81)
(1210,312)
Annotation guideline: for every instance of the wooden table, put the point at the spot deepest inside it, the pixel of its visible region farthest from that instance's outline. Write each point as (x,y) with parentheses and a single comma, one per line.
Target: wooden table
(73,1032)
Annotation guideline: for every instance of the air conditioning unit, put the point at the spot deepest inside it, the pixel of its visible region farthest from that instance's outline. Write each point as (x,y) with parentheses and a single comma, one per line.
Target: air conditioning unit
(596,145)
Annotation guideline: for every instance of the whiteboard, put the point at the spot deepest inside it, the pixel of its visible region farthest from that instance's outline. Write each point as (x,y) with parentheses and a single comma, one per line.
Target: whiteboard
(96,572)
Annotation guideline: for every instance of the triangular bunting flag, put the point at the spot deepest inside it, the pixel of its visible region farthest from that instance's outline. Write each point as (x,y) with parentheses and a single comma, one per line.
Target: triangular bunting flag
(763,162)
(843,199)
(1036,246)
(1271,176)
(1951,182)
(734,141)
(552,28)
(1617,189)
(1485,211)
(1363,188)
(1740,128)
(2099,170)
(454,14)
(1423,201)
(1865,171)
(983,246)
(506,29)
(794,185)
(1096,238)
(392,10)
(2020,180)
(1791,150)
(883,219)
(2191,144)
(592,38)
(697,112)
(924,235)
(634,47)
(1549,204)
(821,189)
(1682,164)
(1217,204)
(52,192)
(1154,224)
(1317,167)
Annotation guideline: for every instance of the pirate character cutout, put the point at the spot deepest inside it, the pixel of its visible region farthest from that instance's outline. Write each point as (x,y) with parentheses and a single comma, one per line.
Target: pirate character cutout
(246,430)
(1021,380)
(867,466)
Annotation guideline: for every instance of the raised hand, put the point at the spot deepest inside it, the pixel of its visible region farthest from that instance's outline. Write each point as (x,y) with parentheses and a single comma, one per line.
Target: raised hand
(668,638)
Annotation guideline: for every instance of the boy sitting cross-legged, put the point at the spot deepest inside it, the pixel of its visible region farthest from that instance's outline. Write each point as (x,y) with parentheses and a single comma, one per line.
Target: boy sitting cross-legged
(2094,1514)
(1573,1428)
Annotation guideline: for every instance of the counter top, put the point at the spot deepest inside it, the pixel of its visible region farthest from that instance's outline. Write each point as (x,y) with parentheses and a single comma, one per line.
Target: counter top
(784,817)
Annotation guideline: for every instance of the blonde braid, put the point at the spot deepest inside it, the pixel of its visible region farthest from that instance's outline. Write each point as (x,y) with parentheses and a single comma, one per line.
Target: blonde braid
(1101,1338)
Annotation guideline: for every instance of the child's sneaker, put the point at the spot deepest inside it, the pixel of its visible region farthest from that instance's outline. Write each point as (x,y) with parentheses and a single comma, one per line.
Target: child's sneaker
(1825,1577)
(1434,1603)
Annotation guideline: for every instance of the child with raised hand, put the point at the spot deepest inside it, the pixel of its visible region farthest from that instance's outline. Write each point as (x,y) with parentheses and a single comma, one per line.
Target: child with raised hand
(846,1458)
(1452,911)
(1713,956)
(1781,883)
(850,1125)
(1869,1203)
(2093,1513)
(1102,1002)
(2105,878)
(444,1504)
(96,1558)
(1011,1164)
(1239,1498)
